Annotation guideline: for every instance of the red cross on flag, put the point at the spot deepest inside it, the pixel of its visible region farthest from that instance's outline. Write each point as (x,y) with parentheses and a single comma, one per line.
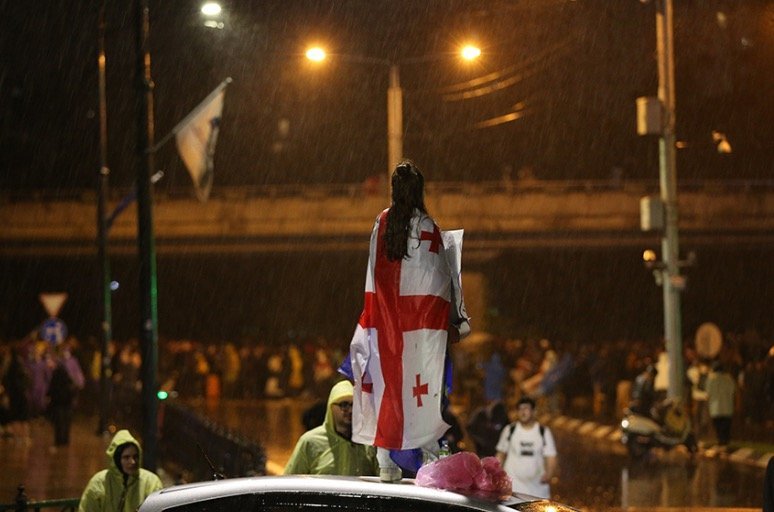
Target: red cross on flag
(398,349)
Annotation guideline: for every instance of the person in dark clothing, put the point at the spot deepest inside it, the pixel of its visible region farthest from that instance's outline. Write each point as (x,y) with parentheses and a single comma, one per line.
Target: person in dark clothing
(643,391)
(61,393)
(17,382)
(768,487)
(66,382)
(485,425)
(314,415)
(454,434)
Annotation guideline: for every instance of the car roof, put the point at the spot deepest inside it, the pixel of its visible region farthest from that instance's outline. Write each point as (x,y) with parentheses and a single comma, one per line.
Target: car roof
(329,485)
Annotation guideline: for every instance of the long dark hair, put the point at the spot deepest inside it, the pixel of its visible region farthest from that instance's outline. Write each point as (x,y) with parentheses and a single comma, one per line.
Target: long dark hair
(408,193)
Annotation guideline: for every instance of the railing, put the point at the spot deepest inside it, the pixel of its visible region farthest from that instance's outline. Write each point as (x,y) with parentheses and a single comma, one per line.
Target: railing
(433,188)
(22,504)
(198,449)
(192,446)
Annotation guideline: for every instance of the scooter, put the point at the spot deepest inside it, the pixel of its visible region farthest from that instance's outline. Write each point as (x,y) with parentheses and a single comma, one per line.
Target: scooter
(668,427)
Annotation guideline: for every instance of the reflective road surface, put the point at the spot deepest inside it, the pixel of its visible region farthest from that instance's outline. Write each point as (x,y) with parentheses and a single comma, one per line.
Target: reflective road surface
(594,474)
(599,474)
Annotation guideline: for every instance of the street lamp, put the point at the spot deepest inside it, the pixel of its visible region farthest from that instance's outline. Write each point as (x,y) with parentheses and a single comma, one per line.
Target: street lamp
(211,9)
(394,96)
(657,116)
(212,12)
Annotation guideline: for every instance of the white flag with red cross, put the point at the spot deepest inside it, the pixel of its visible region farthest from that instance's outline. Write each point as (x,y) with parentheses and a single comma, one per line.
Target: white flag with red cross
(398,349)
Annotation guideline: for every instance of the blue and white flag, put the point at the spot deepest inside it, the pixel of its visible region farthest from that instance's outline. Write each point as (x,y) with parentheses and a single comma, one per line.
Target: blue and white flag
(196,136)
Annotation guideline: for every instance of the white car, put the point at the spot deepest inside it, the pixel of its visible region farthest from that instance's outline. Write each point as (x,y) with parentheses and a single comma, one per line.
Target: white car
(320,493)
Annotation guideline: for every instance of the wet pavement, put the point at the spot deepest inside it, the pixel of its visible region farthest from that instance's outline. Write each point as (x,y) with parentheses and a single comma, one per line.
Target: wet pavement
(276,425)
(63,473)
(47,473)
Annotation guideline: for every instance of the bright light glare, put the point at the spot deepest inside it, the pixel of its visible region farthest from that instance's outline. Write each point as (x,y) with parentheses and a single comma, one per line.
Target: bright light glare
(211,9)
(649,255)
(316,54)
(470,52)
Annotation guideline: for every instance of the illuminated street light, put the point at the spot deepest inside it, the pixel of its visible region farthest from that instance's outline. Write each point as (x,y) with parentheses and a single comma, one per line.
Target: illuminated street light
(315,54)
(470,52)
(394,97)
(211,9)
(721,141)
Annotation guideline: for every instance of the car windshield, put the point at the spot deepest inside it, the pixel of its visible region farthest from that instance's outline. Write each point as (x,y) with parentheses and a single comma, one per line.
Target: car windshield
(344,502)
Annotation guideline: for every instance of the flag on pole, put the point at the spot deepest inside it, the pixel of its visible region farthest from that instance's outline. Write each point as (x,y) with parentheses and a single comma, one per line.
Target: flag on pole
(196,136)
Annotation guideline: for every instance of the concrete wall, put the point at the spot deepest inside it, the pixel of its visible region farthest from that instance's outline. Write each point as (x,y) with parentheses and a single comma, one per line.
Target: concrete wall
(493,219)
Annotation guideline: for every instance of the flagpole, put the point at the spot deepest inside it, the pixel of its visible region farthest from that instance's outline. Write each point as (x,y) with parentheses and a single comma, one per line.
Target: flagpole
(145,239)
(191,115)
(102,234)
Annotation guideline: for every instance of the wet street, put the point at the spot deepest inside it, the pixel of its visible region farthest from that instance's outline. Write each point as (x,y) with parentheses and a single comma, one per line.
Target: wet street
(599,474)
(594,474)
(275,424)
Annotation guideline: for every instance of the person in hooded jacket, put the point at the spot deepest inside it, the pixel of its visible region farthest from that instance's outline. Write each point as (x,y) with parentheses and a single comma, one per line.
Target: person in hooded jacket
(328,448)
(124,485)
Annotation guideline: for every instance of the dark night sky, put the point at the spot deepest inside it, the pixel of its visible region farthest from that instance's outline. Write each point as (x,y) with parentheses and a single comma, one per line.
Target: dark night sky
(576,66)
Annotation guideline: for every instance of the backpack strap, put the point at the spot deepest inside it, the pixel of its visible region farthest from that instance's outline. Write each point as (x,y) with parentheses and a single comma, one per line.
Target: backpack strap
(512,427)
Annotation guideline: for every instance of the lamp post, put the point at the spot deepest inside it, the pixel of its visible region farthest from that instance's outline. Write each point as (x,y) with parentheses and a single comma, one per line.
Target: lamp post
(394,123)
(672,282)
(145,238)
(657,116)
(668,185)
(106,325)
(394,98)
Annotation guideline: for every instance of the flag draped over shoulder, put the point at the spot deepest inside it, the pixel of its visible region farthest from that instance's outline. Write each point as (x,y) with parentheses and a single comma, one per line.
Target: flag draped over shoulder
(196,136)
(398,349)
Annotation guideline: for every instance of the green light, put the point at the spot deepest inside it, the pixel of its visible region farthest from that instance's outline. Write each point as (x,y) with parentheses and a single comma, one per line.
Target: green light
(162,395)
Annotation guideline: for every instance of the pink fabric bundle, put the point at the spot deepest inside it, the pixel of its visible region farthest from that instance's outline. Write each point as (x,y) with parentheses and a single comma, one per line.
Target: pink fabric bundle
(465,473)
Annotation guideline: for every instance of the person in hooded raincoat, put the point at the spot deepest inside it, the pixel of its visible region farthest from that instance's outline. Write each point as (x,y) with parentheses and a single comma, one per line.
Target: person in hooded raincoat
(328,448)
(124,485)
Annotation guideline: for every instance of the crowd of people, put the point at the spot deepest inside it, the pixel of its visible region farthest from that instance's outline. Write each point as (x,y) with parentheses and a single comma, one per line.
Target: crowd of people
(601,379)
(38,379)
(580,379)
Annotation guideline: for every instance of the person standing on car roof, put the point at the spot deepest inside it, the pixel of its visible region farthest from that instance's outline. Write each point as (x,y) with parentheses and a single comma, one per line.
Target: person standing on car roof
(527,452)
(328,449)
(412,311)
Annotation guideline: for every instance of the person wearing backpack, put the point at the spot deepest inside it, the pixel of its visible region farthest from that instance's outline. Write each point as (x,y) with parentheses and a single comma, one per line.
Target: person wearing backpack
(527,452)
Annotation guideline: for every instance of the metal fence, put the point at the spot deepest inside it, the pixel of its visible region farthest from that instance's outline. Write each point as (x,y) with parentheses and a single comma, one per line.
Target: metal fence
(21,504)
(192,448)
(195,448)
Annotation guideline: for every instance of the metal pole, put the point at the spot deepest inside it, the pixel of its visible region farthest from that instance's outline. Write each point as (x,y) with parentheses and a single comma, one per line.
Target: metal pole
(672,282)
(394,124)
(145,239)
(102,234)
